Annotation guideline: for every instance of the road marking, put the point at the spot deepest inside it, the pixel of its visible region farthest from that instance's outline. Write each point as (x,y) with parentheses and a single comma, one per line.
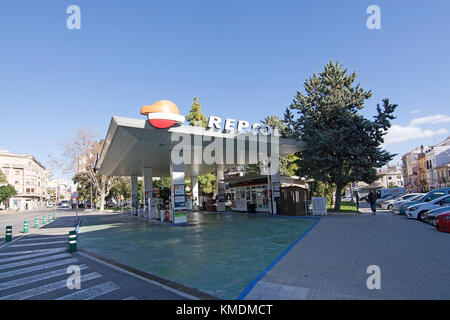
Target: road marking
(92,292)
(37,244)
(36,268)
(37,260)
(36,277)
(27,256)
(178,292)
(27,251)
(47,288)
(40,238)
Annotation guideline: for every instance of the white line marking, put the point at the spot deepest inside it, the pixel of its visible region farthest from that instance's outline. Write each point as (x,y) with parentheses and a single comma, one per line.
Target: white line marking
(180,293)
(47,288)
(37,260)
(27,256)
(40,238)
(37,244)
(36,268)
(27,251)
(92,292)
(35,278)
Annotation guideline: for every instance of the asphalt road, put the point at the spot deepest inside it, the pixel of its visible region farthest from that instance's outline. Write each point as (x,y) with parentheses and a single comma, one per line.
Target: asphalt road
(35,266)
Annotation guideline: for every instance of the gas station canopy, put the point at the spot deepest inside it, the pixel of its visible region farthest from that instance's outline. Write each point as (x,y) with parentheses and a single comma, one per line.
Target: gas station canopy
(134,144)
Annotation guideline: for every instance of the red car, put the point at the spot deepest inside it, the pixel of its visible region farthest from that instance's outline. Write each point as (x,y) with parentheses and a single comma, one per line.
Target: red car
(443,222)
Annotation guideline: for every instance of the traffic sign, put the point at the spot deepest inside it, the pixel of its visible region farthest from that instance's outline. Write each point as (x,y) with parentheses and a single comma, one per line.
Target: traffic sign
(75,195)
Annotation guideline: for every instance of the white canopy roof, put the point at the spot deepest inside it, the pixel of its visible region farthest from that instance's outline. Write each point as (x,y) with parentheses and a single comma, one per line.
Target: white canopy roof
(134,144)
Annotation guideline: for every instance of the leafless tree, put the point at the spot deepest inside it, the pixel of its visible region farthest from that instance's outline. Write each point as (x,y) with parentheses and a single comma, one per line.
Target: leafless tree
(80,153)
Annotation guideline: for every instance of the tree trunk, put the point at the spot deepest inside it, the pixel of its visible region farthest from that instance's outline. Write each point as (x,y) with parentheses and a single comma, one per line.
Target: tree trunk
(102,201)
(337,204)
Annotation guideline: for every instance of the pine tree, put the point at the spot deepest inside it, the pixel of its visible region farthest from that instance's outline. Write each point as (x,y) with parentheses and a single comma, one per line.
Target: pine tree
(206,182)
(196,117)
(340,144)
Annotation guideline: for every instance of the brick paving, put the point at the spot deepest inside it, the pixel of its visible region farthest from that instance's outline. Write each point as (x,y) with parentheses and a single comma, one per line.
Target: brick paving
(331,261)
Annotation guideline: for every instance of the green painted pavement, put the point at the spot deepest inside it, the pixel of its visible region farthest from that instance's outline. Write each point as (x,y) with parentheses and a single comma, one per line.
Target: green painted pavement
(217,253)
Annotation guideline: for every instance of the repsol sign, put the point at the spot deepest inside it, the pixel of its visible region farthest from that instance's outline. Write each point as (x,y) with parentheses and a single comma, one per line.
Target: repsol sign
(240,126)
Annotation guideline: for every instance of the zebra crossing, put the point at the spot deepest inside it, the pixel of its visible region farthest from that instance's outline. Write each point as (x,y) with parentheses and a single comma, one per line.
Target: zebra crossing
(28,271)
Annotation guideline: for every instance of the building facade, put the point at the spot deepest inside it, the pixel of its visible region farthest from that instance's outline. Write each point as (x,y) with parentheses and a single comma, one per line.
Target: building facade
(28,176)
(62,189)
(426,168)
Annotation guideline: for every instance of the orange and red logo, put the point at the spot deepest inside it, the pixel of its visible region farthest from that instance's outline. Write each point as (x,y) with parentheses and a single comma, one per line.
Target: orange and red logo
(162,114)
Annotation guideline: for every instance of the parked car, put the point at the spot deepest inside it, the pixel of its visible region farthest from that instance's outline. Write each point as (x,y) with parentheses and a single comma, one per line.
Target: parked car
(431,216)
(64,204)
(49,204)
(417,211)
(389,204)
(443,222)
(385,198)
(399,203)
(426,198)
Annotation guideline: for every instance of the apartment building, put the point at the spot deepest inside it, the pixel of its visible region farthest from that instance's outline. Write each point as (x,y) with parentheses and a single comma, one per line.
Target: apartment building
(28,176)
(427,167)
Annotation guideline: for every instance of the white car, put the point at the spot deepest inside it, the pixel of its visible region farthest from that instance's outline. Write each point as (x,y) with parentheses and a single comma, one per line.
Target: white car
(65,204)
(386,197)
(397,204)
(417,211)
(389,204)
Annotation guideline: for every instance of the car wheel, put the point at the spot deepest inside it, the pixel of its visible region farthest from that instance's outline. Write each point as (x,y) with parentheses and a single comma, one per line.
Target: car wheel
(420,216)
(390,207)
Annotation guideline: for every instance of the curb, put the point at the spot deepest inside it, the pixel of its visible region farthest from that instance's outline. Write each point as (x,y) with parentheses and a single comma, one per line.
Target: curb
(252,284)
(173,286)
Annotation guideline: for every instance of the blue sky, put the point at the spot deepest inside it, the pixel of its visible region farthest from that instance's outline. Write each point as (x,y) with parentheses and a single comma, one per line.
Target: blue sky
(243,59)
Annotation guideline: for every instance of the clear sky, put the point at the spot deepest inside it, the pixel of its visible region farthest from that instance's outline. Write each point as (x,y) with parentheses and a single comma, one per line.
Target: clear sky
(243,59)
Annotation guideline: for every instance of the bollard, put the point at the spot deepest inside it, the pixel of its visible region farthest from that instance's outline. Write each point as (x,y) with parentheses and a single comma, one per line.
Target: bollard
(36,223)
(25,227)
(44,220)
(49,218)
(8,234)
(72,241)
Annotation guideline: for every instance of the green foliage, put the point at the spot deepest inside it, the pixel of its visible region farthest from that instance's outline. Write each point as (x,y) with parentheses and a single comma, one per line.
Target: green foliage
(207,183)
(274,121)
(288,163)
(340,144)
(3,179)
(121,187)
(84,189)
(6,192)
(164,185)
(196,117)
(392,185)
(253,169)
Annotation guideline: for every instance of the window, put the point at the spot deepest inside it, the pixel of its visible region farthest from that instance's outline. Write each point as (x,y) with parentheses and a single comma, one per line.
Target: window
(6,172)
(28,190)
(32,190)
(17,172)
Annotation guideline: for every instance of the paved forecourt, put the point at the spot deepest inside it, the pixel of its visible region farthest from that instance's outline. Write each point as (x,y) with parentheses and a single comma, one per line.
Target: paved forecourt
(35,266)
